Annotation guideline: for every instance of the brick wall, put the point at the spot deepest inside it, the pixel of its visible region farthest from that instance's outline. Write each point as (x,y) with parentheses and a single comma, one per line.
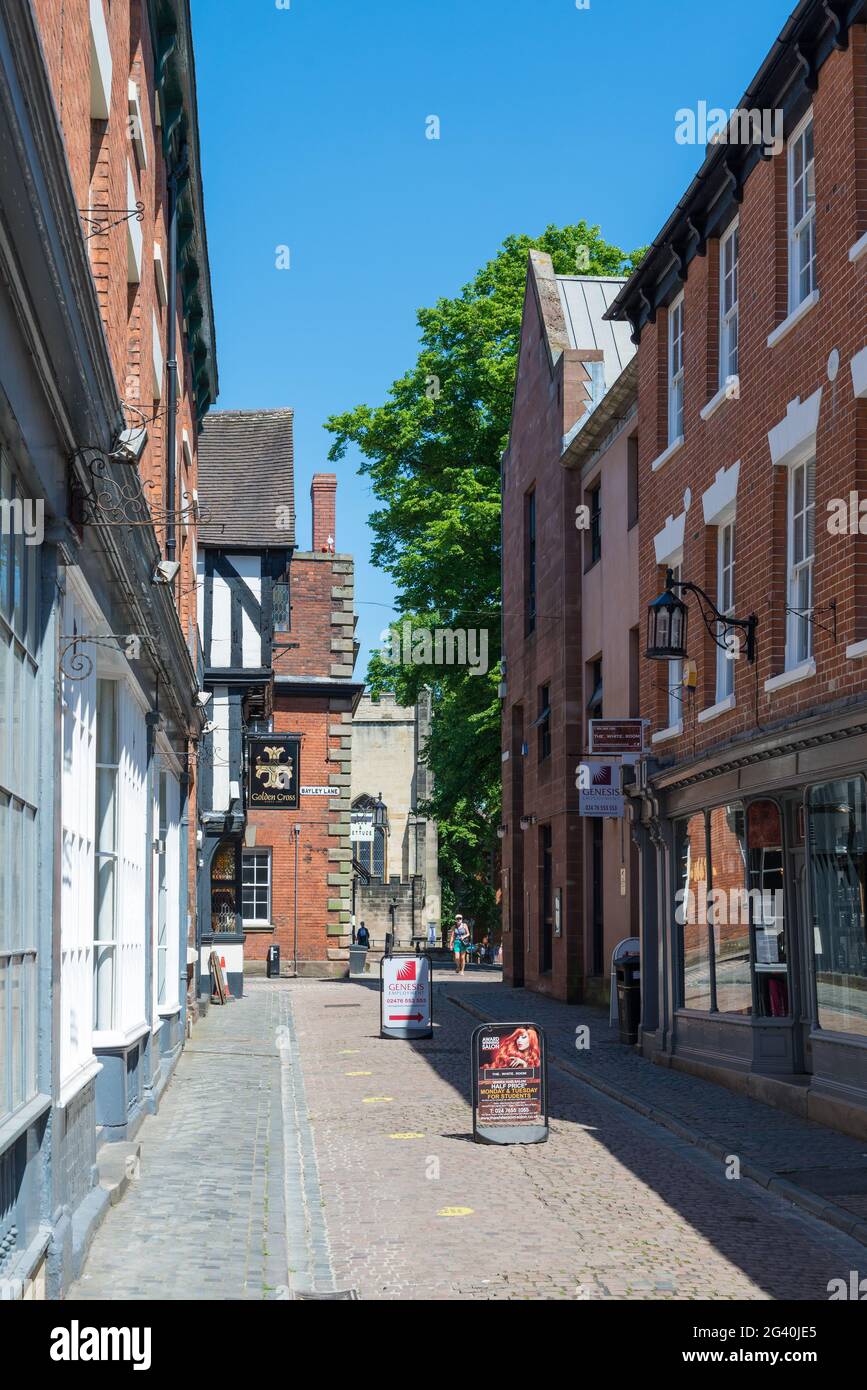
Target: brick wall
(549,398)
(770,378)
(322,624)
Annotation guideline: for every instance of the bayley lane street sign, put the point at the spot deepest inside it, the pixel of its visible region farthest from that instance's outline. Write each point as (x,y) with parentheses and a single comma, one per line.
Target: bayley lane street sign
(510,1084)
(405,997)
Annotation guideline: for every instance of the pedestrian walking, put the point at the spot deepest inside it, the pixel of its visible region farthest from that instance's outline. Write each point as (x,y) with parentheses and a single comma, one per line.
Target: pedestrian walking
(363,936)
(460,940)
(431,933)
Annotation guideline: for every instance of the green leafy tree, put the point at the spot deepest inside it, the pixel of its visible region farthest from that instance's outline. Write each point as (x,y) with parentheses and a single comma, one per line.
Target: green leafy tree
(432,452)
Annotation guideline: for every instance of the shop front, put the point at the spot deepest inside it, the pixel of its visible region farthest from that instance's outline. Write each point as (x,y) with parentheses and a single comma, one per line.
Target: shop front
(754,930)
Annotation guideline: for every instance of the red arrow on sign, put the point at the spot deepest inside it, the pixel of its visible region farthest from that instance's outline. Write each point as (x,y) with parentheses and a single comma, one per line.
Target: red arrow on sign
(407,1018)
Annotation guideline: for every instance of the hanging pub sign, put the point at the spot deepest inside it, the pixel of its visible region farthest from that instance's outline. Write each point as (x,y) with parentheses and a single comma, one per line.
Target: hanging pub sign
(405,997)
(510,1084)
(274,769)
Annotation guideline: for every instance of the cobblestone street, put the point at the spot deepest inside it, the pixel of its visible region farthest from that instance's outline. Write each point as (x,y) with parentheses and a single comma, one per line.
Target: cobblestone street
(342,1161)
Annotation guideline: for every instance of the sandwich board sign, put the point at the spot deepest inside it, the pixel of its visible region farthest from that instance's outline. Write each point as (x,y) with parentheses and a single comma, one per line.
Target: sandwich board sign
(510,1084)
(405,997)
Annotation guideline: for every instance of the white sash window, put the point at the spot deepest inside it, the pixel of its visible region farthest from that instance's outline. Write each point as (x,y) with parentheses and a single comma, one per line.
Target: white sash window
(167,888)
(19,768)
(120,845)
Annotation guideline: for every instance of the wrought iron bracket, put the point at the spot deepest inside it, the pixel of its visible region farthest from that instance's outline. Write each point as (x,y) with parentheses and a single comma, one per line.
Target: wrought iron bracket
(77,665)
(809,612)
(96,218)
(747,625)
(113,492)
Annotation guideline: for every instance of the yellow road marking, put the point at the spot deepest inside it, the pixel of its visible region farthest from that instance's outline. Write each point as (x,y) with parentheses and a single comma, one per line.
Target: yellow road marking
(374,1100)
(349,1051)
(358,1073)
(409,1135)
(455,1211)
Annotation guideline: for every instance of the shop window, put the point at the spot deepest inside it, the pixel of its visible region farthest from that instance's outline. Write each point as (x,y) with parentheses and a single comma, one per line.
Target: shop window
(765,864)
(837,849)
(691,913)
(728,911)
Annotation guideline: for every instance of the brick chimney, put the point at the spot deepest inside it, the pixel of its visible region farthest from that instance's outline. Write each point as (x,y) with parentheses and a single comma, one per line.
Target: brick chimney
(323,492)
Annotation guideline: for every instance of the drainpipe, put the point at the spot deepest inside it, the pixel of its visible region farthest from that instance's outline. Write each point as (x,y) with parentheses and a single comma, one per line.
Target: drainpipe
(176,183)
(297,835)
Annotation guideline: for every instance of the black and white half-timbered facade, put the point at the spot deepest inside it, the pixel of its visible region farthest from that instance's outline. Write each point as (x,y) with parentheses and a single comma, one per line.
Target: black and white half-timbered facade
(245,545)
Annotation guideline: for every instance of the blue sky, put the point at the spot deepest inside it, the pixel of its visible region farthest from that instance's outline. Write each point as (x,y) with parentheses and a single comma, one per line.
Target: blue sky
(313,137)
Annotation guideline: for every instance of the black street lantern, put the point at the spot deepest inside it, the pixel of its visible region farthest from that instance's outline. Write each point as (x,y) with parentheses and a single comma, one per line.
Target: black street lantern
(667,620)
(666,627)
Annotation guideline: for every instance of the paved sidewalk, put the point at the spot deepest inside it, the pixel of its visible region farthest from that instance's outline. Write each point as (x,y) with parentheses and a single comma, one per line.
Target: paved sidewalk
(227,1202)
(824,1171)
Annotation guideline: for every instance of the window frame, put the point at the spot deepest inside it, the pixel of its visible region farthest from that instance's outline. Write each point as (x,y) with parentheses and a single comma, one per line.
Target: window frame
(265,852)
(675,391)
(799,628)
(530,525)
(729,318)
(674,668)
(593,495)
(20,680)
(544,723)
(725,676)
(806,224)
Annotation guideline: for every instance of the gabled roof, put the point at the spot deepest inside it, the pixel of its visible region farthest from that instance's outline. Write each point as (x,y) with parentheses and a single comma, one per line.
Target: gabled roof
(246,479)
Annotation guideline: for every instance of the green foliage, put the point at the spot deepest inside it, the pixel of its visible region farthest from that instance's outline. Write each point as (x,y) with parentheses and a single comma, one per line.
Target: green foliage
(432,452)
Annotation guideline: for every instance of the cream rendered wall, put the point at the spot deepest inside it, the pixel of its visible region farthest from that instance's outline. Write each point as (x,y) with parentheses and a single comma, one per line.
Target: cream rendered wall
(385,746)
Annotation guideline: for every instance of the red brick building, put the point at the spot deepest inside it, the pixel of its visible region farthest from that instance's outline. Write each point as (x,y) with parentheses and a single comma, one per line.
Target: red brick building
(278,635)
(750,311)
(557,936)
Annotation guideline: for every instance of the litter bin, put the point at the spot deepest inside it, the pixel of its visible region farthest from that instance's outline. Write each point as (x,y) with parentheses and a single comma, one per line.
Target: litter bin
(272,964)
(628,970)
(357,960)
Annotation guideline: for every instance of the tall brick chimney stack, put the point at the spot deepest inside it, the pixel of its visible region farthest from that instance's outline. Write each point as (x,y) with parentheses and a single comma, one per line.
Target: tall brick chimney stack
(323,495)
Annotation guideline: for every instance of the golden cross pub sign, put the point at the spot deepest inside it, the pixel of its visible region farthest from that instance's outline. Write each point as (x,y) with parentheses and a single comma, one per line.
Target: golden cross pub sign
(274,764)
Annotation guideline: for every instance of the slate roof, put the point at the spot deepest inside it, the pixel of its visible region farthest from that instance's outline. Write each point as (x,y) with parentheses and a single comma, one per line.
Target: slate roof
(246,479)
